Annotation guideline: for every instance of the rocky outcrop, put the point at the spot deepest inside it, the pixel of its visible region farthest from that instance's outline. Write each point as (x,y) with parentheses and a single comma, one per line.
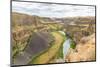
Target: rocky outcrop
(84,51)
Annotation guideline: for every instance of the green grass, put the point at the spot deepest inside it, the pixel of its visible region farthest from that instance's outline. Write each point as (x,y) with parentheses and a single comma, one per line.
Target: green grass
(54,49)
(72,45)
(60,52)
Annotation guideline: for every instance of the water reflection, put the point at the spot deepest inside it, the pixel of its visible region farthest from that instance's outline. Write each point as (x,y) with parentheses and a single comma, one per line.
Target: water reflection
(66,47)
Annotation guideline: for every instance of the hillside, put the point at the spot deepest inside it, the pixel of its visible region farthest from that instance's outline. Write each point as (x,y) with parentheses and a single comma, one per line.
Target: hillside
(34,37)
(84,51)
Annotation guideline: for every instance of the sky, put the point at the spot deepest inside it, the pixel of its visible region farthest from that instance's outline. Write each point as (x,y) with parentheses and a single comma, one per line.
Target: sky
(52,10)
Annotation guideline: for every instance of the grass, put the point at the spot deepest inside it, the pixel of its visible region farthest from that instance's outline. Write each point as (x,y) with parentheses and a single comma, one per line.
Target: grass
(72,45)
(60,52)
(23,30)
(51,52)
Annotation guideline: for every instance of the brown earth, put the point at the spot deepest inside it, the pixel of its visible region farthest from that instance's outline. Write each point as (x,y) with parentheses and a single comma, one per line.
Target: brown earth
(84,51)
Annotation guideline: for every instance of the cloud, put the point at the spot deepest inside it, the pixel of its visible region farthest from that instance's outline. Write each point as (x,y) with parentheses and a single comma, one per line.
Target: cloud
(52,10)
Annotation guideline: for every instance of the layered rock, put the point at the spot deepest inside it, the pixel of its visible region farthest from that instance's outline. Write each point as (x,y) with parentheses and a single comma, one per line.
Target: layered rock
(84,51)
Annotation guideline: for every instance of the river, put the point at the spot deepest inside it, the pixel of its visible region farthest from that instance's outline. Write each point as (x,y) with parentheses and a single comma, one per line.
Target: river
(66,46)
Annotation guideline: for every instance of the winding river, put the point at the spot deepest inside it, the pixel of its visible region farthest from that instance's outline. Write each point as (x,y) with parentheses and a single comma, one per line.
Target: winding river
(25,57)
(66,45)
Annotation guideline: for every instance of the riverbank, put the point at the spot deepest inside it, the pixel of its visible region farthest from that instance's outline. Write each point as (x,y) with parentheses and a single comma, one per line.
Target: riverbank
(51,52)
(84,51)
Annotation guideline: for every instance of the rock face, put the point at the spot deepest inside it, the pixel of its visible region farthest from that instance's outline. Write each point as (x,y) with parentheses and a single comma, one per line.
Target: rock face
(38,43)
(84,51)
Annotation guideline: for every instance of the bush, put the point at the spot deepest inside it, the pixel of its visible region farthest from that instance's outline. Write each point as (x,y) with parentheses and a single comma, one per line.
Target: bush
(72,45)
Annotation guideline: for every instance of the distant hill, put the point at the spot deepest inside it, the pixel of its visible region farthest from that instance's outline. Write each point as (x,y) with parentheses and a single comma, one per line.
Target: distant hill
(29,19)
(22,18)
